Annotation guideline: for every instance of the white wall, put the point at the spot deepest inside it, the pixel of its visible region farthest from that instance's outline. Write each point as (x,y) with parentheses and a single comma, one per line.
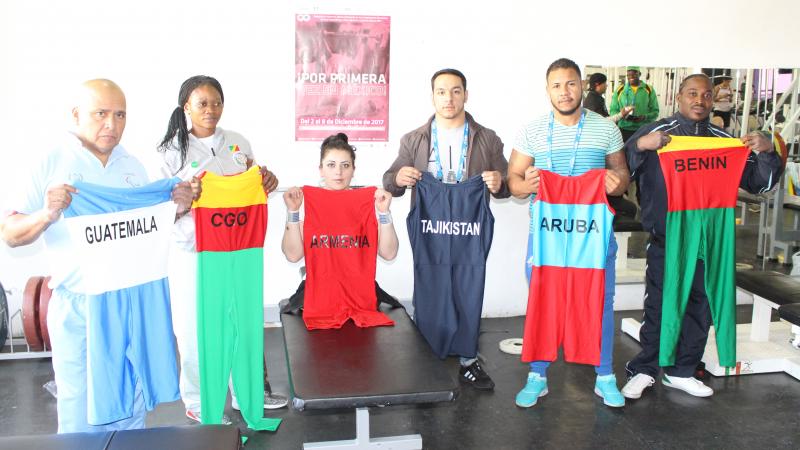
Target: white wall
(504,47)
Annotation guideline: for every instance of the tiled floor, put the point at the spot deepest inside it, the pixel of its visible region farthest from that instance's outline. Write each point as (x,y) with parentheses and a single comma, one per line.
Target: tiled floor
(753,411)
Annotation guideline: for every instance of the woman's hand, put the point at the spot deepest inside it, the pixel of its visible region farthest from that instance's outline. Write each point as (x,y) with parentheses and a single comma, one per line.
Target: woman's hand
(382,200)
(293,198)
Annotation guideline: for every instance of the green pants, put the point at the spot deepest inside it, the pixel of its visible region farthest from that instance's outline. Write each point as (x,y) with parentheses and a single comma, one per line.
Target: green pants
(230,333)
(707,234)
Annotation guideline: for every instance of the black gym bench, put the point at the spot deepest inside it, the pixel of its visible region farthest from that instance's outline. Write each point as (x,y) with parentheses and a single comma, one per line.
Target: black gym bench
(193,437)
(624,226)
(354,367)
(770,291)
(790,313)
(763,346)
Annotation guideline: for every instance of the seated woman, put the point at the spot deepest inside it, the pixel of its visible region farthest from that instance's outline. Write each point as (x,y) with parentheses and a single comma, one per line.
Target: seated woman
(337,164)
(340,257)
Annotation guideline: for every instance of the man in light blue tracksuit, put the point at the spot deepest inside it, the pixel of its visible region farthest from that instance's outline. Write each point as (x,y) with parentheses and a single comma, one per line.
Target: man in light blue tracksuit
(91,153)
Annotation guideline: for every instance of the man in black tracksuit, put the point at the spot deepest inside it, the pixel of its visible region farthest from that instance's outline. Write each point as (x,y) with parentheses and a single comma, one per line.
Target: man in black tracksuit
(761,173)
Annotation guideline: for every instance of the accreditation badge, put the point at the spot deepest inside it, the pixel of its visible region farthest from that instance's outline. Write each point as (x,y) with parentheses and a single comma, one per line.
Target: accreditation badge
(240,159)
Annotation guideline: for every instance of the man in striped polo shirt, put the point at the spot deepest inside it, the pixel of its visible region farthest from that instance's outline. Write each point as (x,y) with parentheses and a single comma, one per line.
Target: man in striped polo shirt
(569,141)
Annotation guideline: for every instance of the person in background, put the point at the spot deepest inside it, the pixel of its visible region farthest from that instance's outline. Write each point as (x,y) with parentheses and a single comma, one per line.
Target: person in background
(723,101)
(641,96)
(594,100)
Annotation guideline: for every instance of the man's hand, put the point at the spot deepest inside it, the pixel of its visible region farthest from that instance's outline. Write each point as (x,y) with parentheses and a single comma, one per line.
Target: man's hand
(653,141)
(493,180)
(407,176)
(293,198)
(626,111)
(268,180)
(532,179)
(758,142)
(382,200)
(57,199)
(182,194)
(612,182)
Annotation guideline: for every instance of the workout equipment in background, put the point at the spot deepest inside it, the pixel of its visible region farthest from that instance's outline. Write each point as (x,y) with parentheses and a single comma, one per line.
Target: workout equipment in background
(4,327)
(512,346)
(25,330)
(30,313)
(44,301)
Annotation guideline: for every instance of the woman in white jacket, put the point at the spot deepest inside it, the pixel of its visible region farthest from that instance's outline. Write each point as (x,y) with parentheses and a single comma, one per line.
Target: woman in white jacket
(188,151)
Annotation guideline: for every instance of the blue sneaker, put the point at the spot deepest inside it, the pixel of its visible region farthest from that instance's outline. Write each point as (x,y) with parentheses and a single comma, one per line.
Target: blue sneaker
(606,387)
(535,387)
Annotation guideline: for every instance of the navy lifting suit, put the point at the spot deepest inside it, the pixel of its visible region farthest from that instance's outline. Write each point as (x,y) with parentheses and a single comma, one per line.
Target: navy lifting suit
(450,228)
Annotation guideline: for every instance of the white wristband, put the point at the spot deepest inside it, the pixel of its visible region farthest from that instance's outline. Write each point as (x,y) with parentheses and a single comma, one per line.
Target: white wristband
(384,218)
(292,216)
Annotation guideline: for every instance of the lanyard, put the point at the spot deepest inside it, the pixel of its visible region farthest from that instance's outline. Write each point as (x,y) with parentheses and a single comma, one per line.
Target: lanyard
(462,161)
(631,94)
(577,141)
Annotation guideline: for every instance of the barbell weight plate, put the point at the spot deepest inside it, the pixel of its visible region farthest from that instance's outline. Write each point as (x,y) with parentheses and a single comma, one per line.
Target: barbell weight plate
(511,346)
(30,313)
(44,302)
(4,328)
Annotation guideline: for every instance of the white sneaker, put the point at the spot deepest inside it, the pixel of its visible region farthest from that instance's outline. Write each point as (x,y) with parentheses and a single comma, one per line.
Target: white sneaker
(635,386)
(195,416)
(271,401)
(690,385)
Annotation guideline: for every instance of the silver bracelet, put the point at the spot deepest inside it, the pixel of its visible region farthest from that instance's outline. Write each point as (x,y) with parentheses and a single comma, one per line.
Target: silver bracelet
(292,216)
(384,218)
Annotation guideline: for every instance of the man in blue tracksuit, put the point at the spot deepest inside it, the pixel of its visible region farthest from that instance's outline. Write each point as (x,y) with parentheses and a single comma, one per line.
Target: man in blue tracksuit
(761,172)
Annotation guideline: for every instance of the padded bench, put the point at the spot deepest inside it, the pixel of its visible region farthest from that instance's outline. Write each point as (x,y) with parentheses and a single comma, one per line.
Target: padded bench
(623,227)
(625,224)
(770,290)
(790,313)
(745,198)
(354,367)
(193,437)
(756,351)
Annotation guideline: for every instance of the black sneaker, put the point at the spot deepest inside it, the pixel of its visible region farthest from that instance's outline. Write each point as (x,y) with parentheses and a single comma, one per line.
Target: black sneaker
(475,375)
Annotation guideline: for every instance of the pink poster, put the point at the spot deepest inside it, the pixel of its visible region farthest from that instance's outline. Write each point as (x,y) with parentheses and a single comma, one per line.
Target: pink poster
(341,77)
